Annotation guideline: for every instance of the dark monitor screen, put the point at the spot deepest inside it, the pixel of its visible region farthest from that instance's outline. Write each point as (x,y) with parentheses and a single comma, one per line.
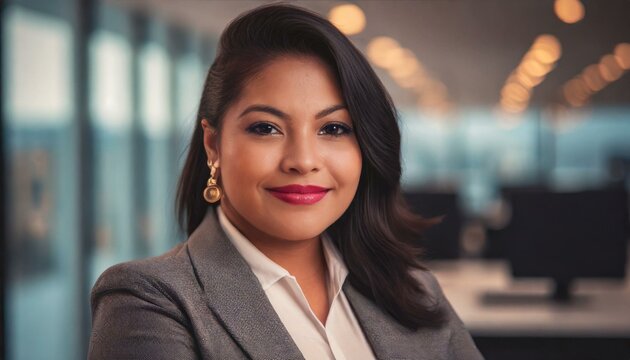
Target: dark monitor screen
(441,241)
(567,235)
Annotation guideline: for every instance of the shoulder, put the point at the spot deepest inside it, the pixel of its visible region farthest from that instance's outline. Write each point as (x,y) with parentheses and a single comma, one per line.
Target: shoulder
(436,297)
(431,285)
(461,344)
(154,276)
(138,310)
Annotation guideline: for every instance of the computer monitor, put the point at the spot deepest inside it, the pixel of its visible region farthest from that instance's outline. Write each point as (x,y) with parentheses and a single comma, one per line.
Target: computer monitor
(440,241)
(567,235)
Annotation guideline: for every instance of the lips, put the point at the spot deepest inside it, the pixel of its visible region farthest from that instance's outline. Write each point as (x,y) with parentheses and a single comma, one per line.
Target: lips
(299,194)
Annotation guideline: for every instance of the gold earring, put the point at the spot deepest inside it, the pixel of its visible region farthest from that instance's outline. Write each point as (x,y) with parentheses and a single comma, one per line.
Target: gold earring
(212,193)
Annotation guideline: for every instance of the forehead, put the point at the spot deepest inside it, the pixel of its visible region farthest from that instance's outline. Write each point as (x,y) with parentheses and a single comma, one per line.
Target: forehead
(293,78)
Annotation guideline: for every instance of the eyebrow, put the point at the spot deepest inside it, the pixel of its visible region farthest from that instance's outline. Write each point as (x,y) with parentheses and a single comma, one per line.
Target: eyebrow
(278,113)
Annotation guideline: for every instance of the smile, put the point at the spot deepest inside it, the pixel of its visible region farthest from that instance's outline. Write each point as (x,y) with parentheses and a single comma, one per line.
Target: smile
(299,194)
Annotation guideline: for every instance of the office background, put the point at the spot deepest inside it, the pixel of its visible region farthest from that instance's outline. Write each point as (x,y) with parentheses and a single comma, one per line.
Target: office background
(509,111)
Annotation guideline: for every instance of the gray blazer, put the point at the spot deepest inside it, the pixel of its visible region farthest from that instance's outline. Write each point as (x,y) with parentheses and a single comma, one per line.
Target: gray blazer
(200,300)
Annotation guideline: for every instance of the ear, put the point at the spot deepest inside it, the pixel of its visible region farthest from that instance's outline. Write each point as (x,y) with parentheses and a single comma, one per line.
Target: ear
(210,142)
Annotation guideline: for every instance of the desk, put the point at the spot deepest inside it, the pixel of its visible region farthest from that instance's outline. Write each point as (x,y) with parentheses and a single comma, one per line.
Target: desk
(602,309)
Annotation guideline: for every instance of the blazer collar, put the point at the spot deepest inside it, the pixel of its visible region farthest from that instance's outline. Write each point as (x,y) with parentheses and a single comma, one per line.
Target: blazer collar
(235,295)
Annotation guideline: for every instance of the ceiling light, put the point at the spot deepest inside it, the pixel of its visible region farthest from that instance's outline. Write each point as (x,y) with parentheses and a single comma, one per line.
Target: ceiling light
(622,55)
(405,66)
(534,68)
(416,81)
(576,92)
(593,78)
(609,68)
(515,91)
(379,50)
(348,18)
(546,49)
(525,79)
(513,102)
(569,11)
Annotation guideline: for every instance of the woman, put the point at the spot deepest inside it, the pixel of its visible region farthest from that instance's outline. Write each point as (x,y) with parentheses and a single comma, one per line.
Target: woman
(299,243)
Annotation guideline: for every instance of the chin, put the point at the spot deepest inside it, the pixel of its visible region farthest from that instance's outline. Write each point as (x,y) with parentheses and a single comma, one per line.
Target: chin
(304,223)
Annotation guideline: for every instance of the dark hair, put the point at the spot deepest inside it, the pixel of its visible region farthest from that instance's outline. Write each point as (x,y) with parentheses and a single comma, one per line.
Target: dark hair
(376,233)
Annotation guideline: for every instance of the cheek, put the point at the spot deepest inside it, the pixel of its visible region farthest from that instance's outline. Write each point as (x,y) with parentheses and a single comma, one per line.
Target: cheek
(244,164)
(345,165)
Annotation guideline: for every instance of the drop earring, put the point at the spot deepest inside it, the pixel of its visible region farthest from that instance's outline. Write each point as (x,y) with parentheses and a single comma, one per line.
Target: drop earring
(212,193)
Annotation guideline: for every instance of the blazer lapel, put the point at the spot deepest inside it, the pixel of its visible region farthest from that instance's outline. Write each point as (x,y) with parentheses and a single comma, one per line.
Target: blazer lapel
(235,295)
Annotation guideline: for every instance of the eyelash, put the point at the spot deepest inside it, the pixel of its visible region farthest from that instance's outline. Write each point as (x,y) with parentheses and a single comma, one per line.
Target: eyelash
(252,129)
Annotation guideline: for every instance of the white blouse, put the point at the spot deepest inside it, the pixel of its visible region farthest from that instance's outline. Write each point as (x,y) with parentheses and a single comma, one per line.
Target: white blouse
(341,338)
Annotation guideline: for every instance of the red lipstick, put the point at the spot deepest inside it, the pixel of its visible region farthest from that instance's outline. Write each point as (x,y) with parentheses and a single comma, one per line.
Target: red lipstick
(299,194)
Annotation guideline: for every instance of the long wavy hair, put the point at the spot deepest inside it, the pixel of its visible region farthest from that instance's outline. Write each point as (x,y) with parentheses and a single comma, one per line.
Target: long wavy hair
(377,233)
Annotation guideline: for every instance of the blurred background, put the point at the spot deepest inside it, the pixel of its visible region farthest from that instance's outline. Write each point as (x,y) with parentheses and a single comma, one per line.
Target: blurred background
(515,118)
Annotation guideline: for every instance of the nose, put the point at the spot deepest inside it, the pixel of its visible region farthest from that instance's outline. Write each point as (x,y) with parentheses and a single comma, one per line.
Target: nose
(302,155)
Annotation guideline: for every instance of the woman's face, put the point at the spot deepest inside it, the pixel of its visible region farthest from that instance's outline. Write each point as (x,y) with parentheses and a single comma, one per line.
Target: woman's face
(289,127)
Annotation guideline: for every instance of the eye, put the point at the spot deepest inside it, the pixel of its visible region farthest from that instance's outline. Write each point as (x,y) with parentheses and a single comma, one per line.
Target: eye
(336,129)
(262,128)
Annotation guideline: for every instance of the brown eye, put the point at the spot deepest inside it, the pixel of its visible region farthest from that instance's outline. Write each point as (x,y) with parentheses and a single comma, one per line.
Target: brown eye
(336,129)
(262,129)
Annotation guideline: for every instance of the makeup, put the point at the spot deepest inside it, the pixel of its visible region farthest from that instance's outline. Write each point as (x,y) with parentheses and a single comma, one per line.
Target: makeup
(299,194)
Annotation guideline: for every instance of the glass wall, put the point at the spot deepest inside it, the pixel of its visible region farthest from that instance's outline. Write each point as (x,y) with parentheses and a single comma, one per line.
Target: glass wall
(42,201)
(476,151)
(111,114)
(143,80)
